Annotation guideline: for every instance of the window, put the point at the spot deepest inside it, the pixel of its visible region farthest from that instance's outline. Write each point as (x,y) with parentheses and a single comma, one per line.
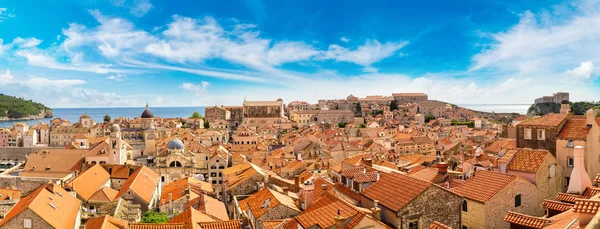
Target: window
(464,206)
(527,133)
(414,224)
(162,179)
(570,144)
(551,171)
(27,223)
(570,162)
(518,200)
(464,227)
(541,134)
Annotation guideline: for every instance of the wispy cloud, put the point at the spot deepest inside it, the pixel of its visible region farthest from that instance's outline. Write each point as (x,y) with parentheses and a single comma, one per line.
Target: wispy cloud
(4,14)
(137,8)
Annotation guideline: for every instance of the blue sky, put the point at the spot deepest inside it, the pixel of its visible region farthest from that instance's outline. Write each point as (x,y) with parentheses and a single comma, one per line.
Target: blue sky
(73,53)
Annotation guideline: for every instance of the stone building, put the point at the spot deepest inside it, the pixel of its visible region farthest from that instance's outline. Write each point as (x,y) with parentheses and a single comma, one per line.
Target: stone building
(263,112)
(49,206)
(177,162)
(61,136)
(557,97)
(407,202)
(579,131)
(217,112)
(541,133)
(490,195)
(538,167)
(403,98)
(264,205)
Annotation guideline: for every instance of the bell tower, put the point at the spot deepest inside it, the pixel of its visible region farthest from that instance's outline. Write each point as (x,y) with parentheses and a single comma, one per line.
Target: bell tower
(565,107)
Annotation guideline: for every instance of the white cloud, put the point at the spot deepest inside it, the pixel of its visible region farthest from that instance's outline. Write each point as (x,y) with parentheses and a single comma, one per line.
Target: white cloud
(141,7)
(344,39)
(138,8)
(371,52)
(117,77)
(26,42)
(4,14)
(37,82)
(160,100)
(199,89)
(40,59)
(94,98)
(544,42)
(584,71)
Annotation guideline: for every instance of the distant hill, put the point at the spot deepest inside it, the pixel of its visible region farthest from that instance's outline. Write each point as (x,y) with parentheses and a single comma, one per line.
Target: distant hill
(18,108)
(578,108)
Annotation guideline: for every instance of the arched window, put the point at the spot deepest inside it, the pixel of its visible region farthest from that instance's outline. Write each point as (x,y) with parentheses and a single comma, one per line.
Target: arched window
(175,164)
(464,206)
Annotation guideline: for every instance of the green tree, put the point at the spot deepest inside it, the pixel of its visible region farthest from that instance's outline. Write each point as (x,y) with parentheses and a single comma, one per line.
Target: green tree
(362,125)
(342,124)
(394,105)
(196,115)
(106,118)
(358,108)
(377,112)
(429,117)
(206,124)
(155,217)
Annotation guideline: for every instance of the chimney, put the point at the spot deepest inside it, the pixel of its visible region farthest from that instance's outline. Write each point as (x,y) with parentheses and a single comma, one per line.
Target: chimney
(442,167)
(339,221)
(297,182)
(378,175)
(591,117)
(376,210)
(324,188)
(171,202)
(579,177)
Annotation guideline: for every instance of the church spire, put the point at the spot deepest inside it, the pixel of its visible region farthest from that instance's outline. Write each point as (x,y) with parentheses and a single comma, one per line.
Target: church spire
(147,107)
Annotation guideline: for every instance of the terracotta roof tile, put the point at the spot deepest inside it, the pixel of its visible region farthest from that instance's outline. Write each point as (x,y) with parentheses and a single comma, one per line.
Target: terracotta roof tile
(51,203)
(231,224)
(264,200)
(438,225)
(527,160)
(142,182)
(395,190)
(564,220)
(586,206)
(502,143)
(549,120)
(104,195)
(156,226)
(574,129)
(106,222)
(484,185)
(426,174)
(90,181)
(364,178)
(526,220)
(589,192)
(597,179)
(322,213)
(566,197)
(9,194)
(557,205)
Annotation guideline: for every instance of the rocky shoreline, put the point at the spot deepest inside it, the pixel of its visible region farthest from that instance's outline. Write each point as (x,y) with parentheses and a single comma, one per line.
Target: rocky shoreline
(43,114)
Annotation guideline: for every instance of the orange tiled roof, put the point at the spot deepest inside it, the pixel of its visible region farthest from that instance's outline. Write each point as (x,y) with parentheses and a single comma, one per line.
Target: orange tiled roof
(564,220)
(484,185)
(597,179)
(322,212)
(9,194)
(575,128)
(426,174)
(231,224)
(438,225)
(586,206)
(257,203)
(395,190)
(526,220)
(156,226)
(142,182)
(51,203)
(528,160)
(104,195)
(549,120)
(589,192)
(566,197)
(502,143)
(90,181)
(557,205)
(106,222)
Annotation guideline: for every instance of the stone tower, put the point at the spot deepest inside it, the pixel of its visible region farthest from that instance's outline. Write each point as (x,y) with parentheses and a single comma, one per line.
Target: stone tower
(565,107)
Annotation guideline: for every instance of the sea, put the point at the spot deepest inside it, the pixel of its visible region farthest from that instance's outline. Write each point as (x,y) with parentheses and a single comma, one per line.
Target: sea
(97,114)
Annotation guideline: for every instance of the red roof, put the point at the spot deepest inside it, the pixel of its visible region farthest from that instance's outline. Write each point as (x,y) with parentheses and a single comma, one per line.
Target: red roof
(484,185)
(395,190)
(575,128)
(526,220)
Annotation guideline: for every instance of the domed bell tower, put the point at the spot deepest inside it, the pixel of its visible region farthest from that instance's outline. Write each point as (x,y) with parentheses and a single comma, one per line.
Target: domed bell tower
(118,154)
(565,107)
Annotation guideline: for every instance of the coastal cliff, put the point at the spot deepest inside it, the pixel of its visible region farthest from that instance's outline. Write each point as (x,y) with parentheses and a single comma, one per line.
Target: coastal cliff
(14,108)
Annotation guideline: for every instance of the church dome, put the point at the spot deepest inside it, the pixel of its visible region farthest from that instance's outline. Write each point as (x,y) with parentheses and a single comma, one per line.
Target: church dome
(176,144)
(115,128)
(147,113)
